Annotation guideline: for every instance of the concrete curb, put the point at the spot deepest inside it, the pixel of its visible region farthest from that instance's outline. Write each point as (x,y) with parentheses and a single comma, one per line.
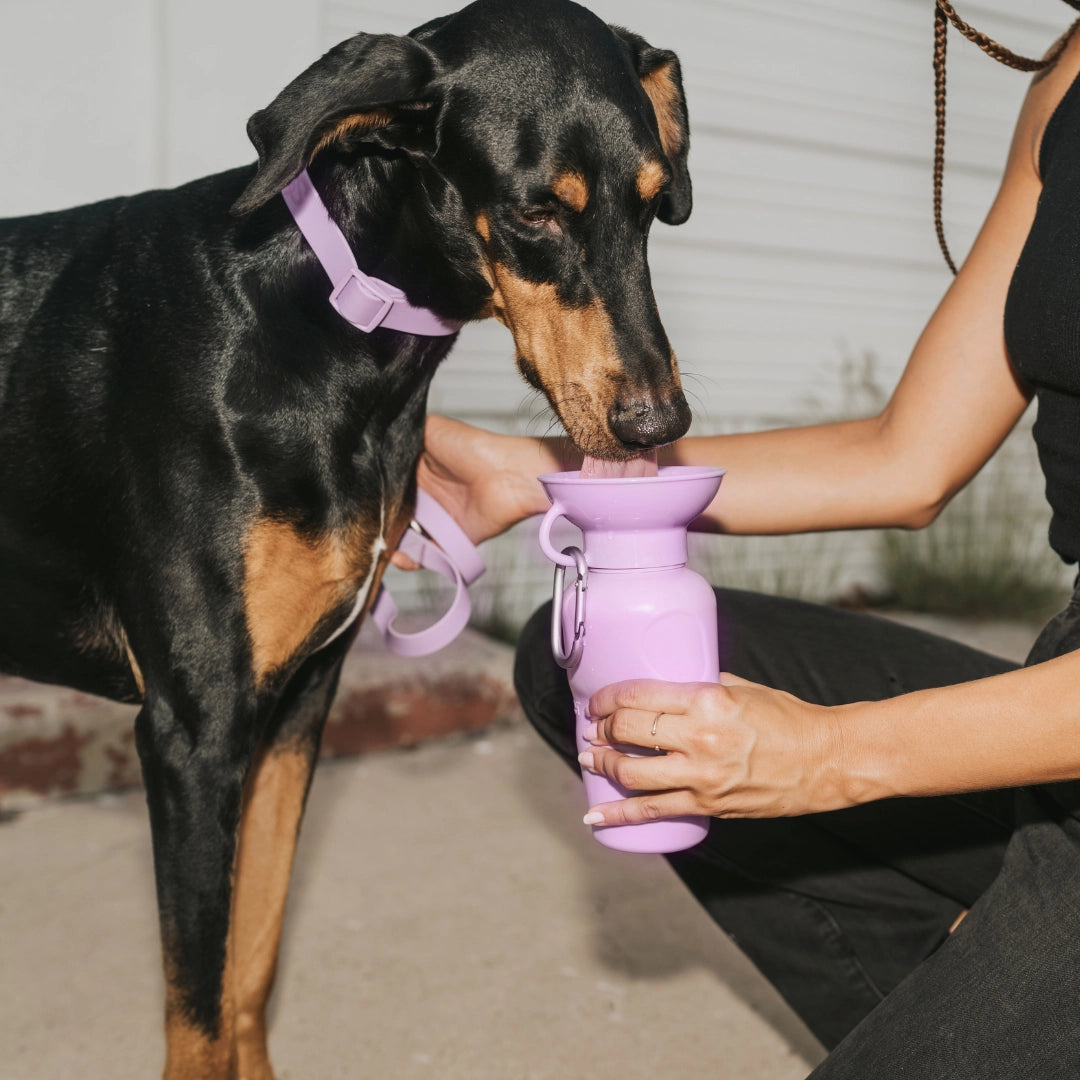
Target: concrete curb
(55,741)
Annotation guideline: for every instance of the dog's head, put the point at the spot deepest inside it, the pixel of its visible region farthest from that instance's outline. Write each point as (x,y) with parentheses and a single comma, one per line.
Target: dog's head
(539,145)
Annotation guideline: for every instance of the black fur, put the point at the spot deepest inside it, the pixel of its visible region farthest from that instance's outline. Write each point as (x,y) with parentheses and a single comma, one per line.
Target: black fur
(171,372)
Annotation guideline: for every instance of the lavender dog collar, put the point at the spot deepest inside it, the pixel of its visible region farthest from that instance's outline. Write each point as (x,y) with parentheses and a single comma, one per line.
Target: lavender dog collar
(362,300)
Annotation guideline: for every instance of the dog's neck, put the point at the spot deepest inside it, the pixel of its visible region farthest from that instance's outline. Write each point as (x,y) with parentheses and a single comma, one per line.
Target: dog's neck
(407,227)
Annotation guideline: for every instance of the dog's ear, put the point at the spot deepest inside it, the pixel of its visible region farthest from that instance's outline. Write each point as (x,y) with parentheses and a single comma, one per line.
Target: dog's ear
(371,88)
(661,78)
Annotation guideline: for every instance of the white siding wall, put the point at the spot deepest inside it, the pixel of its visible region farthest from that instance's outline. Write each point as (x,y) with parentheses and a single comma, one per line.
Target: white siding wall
(116,96)
(811,242)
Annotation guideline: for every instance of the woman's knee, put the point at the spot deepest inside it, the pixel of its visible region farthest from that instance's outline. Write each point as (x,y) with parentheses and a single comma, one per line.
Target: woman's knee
(542,687)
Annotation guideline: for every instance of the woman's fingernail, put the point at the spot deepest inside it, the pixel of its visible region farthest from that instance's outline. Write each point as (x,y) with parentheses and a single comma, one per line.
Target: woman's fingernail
(590,731)
(593,817)
(585,758)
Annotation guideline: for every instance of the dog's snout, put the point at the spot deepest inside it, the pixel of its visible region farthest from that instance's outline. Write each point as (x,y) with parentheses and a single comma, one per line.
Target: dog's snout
(640,423)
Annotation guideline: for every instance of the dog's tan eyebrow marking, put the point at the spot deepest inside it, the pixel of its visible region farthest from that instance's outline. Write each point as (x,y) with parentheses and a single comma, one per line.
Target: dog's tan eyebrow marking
(663,92)
(651,178)
(571,189)
(357,124)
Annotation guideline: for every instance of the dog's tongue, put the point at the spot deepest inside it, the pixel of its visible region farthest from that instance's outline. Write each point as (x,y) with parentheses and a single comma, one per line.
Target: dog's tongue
(598,469)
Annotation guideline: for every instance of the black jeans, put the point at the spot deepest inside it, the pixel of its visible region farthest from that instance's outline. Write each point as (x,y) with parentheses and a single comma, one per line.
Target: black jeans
(847,913)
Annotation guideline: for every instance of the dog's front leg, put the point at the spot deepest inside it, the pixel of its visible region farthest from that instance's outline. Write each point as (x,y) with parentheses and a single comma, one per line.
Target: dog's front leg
(274,799)
(195,751)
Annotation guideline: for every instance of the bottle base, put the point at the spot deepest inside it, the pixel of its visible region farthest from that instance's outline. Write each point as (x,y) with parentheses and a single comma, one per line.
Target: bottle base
(653,838)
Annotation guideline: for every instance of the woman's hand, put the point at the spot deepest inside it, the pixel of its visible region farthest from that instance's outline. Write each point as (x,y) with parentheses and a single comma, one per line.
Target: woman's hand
(733,750)
(487,482)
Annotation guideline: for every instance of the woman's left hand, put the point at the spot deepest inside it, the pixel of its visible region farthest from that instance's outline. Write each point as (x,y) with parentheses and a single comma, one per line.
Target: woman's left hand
(732,750)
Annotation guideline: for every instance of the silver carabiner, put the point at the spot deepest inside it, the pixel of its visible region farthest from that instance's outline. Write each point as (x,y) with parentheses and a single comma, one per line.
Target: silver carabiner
(568,660)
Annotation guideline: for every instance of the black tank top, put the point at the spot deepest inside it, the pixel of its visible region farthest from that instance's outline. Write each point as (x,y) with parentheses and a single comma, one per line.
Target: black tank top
(1042,321)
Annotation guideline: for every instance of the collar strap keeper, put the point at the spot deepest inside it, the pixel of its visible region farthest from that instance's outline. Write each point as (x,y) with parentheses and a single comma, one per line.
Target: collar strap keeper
(363,301)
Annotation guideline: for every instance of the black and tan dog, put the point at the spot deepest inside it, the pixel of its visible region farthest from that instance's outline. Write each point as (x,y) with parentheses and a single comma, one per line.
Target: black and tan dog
(202,464)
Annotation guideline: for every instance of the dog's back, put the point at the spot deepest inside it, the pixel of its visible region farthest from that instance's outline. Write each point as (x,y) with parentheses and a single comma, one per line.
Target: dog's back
(108,317)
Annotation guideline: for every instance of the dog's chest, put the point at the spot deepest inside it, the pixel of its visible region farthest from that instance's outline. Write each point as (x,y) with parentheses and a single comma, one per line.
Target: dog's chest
(302,590)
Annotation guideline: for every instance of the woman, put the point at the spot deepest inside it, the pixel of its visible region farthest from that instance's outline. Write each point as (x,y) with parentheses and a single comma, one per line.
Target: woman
(852,906)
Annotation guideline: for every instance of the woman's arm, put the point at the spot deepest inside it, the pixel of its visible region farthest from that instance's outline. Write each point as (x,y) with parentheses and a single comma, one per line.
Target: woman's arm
(956,401)
(739,749)
(743,750)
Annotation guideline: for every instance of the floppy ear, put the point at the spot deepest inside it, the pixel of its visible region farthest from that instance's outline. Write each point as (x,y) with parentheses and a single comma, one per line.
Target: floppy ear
(370,88)
(661,79)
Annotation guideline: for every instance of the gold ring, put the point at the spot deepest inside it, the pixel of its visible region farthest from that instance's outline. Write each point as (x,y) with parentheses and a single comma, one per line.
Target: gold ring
(656,720)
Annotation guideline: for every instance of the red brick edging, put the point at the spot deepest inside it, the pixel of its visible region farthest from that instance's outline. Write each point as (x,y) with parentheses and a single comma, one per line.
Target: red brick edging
(55,741)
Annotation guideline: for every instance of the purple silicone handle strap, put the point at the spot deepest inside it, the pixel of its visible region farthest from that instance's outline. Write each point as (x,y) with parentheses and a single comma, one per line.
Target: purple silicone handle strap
(560,558)
(449,552)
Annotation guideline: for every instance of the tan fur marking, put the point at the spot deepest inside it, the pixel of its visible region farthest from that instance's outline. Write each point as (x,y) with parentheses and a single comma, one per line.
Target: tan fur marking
(102,632)
(266,843)
(136,671)
(189,1053)
(291,582)
(483,230)
(572,350)
(663,92)
(651,178)
(571,189)
(357,124)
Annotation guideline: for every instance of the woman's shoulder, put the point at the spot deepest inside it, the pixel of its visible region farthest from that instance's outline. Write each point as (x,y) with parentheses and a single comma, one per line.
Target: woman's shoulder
(1047,90)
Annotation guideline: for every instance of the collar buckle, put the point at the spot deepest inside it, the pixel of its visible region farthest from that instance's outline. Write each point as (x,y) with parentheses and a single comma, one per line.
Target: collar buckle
(363,301)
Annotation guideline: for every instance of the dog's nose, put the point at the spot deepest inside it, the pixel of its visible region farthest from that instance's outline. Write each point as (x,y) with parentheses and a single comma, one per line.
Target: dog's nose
(641,423)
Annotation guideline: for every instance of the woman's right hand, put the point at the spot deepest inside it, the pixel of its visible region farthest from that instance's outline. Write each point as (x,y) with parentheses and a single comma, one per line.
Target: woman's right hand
(487,482)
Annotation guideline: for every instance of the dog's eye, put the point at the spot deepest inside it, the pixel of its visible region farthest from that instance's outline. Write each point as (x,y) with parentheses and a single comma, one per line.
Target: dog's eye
(538,215)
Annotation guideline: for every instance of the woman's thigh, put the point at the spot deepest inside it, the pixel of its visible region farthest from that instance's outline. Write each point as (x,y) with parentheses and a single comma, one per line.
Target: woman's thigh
(998,1000)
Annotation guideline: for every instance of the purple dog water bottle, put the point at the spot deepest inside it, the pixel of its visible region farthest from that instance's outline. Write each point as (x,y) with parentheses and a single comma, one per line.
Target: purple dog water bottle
(633,611)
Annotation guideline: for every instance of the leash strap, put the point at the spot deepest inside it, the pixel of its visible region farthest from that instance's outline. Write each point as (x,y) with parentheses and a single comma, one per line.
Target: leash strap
(444,548)
(362,300)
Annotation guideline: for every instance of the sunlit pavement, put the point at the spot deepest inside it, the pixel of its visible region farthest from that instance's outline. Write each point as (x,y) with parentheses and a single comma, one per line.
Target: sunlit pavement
(450,917)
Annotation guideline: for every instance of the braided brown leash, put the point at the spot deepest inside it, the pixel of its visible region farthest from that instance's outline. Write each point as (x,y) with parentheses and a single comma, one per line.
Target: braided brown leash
(945,13)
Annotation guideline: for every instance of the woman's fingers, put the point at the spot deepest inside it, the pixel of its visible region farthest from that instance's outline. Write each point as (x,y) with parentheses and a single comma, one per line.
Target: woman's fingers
(654,714)
(648,695)
(653,773)
(642,808)
(633,727)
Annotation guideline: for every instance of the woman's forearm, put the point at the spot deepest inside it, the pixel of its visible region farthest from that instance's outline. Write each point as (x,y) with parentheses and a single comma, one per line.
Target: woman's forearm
(845,475)
(739,749)
(1009,730)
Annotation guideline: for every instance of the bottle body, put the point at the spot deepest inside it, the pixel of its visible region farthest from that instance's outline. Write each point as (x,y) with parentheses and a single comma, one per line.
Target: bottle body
(641,624)
(634,611)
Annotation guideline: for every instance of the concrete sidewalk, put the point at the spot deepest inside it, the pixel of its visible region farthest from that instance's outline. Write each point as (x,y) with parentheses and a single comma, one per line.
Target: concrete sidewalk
(450,918)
